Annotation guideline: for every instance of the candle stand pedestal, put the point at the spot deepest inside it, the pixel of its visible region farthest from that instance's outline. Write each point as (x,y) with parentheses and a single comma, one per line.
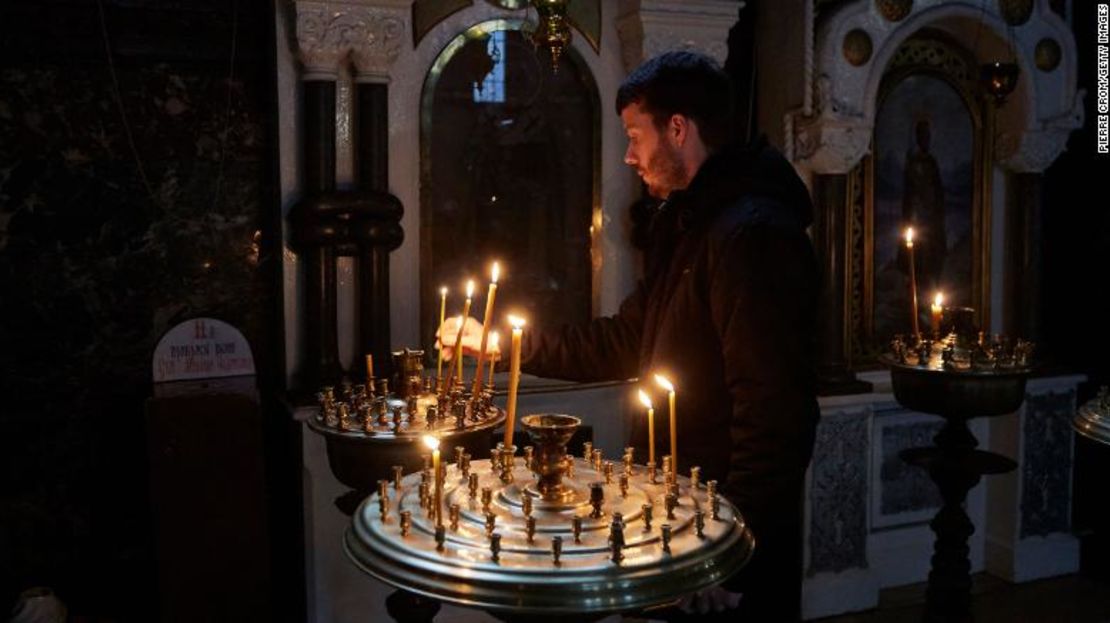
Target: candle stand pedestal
(982,387)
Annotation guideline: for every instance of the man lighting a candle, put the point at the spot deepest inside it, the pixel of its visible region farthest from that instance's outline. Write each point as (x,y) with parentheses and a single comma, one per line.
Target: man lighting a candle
(726,310)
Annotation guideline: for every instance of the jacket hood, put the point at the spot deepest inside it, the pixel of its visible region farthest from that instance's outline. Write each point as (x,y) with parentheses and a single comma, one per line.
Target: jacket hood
(753,170)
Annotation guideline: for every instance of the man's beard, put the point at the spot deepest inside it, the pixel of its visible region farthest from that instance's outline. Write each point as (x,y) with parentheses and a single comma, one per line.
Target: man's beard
(665,166)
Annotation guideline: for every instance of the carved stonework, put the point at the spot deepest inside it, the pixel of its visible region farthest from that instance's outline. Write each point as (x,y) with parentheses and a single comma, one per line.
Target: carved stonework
(894,10)
(1046,468)
(846,88)
(832,149)
(939,54)
(857,206)
(829,142)
(857,47)
(1047,54)
(838,494)
(1032,151)
(1015,12)
(328,33)
(905,490)
(658,26)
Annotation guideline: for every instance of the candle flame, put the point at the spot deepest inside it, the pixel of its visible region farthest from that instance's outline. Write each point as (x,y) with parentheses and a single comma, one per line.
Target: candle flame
(432,442)
(938,300)
(664,383)
(443,291)
(909,235)
(494,339)
(516,321)
(495,272)
(645,399)
(469,288)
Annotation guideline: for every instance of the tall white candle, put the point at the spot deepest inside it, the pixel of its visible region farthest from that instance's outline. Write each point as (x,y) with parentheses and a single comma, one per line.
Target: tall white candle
(666,384)
(913,280)
(651,425)
(437,512)
(442,337)
(462,324)
(514,377)
(487,319)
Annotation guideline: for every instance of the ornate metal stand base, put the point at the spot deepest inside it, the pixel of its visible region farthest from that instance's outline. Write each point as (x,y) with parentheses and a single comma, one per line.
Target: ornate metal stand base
(406,607)
(947,381)
(955,466)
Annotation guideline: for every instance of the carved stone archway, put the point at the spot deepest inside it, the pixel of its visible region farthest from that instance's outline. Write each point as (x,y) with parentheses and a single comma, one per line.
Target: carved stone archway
(855,42)
(831,133)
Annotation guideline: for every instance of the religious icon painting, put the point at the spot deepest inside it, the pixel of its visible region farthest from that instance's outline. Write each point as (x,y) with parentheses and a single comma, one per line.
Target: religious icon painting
(926,170)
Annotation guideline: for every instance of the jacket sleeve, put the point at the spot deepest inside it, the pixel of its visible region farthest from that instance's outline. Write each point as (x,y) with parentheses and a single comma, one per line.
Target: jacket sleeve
(603,349)
(763,296)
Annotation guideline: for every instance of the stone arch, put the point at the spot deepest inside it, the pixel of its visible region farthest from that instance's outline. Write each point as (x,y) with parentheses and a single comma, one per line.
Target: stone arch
(833,132)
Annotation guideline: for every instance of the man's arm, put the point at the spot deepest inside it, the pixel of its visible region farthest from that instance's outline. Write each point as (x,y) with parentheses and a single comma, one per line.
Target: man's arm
(601,350)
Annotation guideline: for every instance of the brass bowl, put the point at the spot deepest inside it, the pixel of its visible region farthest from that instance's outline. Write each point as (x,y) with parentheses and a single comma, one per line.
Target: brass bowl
(359,459)
(957,393)
(550,433)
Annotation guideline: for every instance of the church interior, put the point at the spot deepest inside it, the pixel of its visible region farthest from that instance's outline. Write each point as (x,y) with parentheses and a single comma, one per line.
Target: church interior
(230,230)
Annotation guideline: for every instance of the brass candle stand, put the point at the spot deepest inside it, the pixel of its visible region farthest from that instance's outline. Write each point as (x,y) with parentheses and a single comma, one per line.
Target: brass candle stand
(959,377)
(371,427)
(545,535)
(1093,418)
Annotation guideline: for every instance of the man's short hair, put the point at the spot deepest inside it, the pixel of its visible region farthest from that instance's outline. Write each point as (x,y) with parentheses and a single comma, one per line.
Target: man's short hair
(683,83)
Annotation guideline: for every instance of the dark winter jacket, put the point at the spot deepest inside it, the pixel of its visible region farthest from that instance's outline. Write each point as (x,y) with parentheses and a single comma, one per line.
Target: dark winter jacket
(727,310)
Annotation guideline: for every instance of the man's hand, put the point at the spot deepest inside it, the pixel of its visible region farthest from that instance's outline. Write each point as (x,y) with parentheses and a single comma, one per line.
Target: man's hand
(713,599)
(471,342)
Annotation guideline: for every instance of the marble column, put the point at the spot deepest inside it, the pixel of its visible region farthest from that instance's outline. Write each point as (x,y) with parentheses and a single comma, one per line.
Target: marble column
(380,231)
(314,236)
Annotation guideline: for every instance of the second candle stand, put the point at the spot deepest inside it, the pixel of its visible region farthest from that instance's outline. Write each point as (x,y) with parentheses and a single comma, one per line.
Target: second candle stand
(558,536)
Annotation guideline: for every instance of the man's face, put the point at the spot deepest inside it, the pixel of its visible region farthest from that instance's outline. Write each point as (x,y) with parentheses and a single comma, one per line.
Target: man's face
(652,152)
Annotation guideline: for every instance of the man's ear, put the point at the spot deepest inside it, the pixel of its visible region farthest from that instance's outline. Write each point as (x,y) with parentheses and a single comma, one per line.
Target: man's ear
(679,128)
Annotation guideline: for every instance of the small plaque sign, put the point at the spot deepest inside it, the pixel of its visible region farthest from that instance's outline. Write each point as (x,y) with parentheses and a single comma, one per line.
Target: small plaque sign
(202,348)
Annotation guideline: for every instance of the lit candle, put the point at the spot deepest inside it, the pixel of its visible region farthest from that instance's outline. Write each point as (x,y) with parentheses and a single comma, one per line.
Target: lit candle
(369,366)
(936,310)
(651,426)
(486,322)
(913,279)
(665,384)
(437,512)
(450,380)
(462,324)
(494,357)
(514,377)
(442,317)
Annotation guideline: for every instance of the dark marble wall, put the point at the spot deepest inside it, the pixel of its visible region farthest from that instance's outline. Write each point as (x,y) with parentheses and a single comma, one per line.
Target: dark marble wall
(114,227)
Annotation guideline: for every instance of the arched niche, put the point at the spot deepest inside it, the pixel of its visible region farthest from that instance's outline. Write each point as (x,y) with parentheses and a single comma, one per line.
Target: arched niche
(855,41)
(510,170)
(359,43)
(927,166)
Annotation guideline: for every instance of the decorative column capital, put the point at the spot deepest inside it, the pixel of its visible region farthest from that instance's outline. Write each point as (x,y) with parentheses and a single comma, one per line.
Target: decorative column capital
(830,141)
(371,35)
(830,147)
(650,27)
(1033,150)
